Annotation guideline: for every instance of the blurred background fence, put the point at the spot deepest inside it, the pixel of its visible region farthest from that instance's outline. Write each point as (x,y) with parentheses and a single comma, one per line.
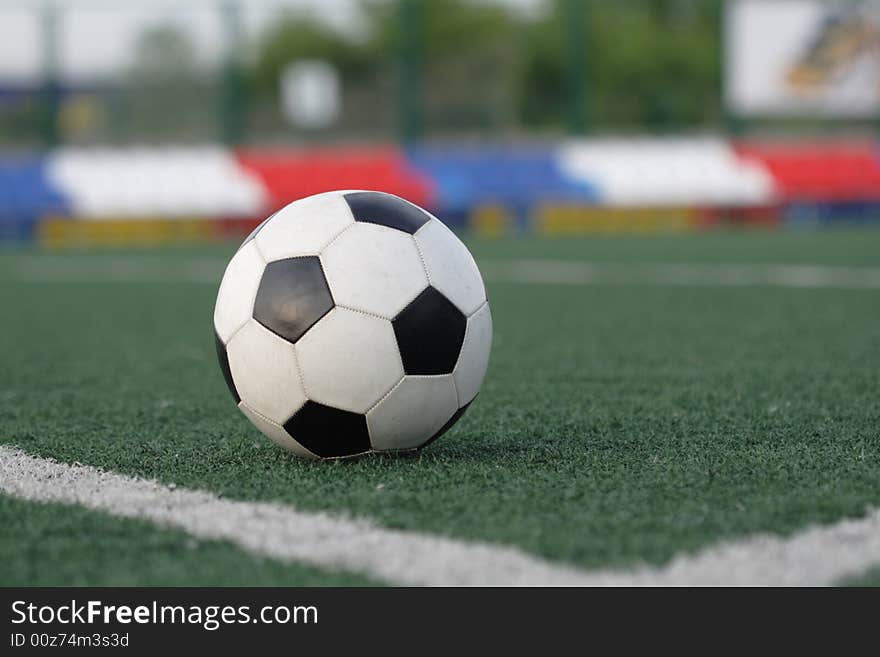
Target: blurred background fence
(501,114)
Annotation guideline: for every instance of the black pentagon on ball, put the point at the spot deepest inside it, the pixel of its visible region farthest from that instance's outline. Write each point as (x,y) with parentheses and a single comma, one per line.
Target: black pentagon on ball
(429,332)
(329,432)
(292,296)
(386,210)
(224,366)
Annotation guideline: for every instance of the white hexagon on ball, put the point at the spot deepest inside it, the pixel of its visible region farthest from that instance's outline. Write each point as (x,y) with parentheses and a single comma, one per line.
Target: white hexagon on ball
(352,322)
(304,227)
(374,269)
(474,359)
(414,411)
(238,289)
(349,360)
(451,266)
(265,371)
(275,432)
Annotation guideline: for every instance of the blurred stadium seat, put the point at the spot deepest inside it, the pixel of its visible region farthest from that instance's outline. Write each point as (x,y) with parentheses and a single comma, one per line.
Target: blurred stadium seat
(830,171)
(585,185)
(26,195)
(291,174)
(667,172)
(542,122)
(517,179)
(148,182)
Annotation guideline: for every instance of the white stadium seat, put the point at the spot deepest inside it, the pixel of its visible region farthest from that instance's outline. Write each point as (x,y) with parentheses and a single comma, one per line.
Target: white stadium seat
(666,172)
(156,182)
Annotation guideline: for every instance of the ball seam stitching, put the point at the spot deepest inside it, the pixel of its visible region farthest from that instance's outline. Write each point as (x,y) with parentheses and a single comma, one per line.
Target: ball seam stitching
(384,397)
(300,375)
(336,237)
(422,258)
(467,333)
(364,312)
(280,426)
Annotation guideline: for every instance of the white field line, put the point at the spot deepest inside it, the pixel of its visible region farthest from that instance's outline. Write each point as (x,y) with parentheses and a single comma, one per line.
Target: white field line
(146,269)
(815,556)
(723,275)
(117,269)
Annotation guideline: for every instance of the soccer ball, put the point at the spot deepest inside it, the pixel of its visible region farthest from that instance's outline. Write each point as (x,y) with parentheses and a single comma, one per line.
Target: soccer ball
(351,322)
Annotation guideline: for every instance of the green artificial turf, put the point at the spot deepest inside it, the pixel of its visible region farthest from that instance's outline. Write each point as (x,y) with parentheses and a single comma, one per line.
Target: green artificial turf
(839,246)
(54,545)
(617,424)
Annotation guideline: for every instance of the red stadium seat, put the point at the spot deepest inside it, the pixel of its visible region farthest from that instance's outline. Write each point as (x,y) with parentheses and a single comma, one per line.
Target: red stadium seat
(296,173)
(832,171)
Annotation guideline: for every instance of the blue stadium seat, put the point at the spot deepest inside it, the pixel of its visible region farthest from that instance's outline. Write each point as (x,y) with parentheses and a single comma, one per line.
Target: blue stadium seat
(517,178)
(26,195)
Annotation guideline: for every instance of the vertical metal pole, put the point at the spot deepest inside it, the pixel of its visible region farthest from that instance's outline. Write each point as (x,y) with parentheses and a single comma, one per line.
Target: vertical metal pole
(232,101)
(409,70)
(51,84)
(576,14)
(733,124)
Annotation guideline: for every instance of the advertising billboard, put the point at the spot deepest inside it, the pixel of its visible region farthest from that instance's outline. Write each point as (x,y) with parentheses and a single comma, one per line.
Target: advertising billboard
(803,58)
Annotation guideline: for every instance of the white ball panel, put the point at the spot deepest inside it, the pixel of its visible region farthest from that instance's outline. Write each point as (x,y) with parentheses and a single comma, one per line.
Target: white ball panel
(349,360)
(275,432)
(415,410)
(451,268)
(304,227)
(375,269)
(474,358)
(238,289)
(265,372)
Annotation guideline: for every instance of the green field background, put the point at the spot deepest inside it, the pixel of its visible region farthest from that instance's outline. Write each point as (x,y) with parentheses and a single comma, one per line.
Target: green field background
(618,424)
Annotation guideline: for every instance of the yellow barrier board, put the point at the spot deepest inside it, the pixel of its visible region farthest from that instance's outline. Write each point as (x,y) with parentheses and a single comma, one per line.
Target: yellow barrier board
(55,232)
(491,221)
(556,220)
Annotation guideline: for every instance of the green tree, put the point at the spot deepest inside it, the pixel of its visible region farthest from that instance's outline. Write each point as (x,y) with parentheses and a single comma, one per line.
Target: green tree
(648,64)
(467,54)
(446,28)
(163,52)
(474,65)
(294,38)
